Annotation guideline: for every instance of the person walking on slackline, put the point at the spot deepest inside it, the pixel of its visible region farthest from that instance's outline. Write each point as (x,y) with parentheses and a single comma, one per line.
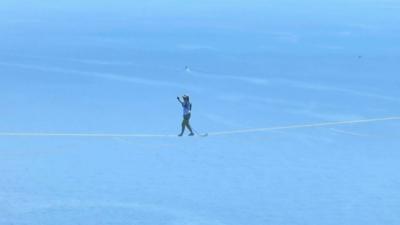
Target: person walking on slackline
(187,110)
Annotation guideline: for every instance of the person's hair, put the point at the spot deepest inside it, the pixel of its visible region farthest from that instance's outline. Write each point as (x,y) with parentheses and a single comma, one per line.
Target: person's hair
(186,97)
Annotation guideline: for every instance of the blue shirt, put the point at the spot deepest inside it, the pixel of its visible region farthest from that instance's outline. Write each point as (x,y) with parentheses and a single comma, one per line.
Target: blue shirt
(187,108)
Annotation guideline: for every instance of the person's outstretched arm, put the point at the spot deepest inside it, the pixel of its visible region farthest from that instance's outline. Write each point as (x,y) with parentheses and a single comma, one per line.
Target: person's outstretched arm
(179,100)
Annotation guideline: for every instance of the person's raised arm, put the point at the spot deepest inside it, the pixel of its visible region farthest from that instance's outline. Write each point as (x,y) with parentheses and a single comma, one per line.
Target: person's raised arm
(179,100)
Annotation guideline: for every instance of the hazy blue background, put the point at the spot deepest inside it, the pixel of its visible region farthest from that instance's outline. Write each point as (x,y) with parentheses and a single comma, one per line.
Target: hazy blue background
(117,67)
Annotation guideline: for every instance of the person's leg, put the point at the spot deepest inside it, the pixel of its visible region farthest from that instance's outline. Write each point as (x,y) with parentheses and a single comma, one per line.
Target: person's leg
(183,127)
(188,124)
(190,129)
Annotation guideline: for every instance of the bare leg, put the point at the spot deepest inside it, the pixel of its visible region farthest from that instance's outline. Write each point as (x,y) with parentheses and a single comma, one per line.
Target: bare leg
(183,128)
(185,123)
(189,127)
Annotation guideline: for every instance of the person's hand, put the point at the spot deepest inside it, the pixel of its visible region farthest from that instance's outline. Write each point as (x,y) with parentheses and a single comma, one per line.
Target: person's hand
(177,98)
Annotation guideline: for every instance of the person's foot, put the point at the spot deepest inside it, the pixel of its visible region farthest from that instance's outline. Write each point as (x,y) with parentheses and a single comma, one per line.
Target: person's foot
(180,135)
(191,134)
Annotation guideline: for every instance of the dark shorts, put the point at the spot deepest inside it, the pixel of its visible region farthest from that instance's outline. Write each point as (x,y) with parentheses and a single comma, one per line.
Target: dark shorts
(186,117)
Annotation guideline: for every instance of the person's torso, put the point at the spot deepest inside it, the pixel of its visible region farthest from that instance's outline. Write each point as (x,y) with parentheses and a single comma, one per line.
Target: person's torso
(186,108)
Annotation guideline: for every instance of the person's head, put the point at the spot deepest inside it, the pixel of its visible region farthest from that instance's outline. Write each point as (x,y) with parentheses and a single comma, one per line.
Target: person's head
(185,98)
